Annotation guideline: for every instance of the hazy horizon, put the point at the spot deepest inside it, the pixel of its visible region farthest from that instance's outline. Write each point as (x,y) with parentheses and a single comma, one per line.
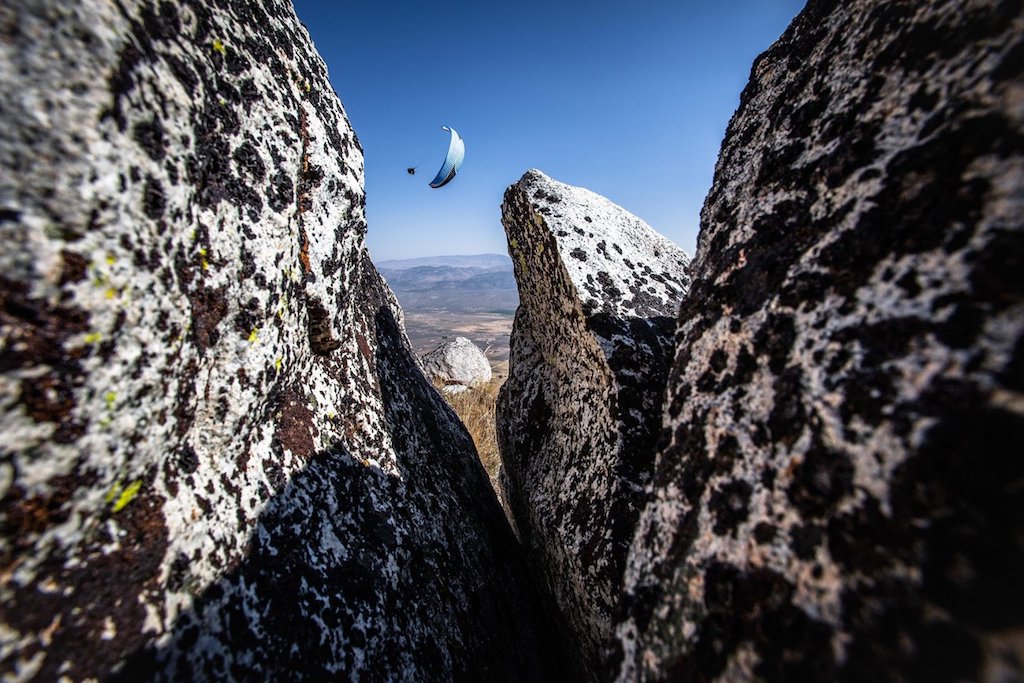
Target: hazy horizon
(425,257)
(631,103)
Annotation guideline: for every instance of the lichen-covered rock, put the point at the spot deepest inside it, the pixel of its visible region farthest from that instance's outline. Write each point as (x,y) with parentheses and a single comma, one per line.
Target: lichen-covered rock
(578,416)
(458,362)
(219,457)
(841,495)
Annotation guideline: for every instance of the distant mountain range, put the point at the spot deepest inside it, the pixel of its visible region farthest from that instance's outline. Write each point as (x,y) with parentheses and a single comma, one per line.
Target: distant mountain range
(458,283)
(427,278)
(485,261)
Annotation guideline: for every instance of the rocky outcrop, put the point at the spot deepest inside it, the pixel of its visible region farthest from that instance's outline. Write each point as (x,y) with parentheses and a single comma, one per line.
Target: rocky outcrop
(459,362)
(578,416)
(220,459)
(840,495)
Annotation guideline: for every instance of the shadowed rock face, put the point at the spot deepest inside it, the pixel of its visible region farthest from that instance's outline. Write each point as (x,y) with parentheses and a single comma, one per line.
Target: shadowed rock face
(840,494)
(578,415)
(219,457)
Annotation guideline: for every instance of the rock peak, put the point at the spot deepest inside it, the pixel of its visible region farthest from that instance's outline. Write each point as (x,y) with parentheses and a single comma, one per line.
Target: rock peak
(617,263)
(591,345)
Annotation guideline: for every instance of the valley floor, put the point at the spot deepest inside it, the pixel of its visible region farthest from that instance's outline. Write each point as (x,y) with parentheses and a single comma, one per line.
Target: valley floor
(488,330)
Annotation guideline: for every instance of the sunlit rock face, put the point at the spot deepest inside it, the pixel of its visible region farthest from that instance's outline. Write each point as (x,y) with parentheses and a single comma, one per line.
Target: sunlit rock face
(580,412)
(840,495)
(458,363)
(219,458)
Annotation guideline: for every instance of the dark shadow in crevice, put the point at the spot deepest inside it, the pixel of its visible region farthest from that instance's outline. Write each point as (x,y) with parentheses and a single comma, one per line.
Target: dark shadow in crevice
(352,571)
(531,428)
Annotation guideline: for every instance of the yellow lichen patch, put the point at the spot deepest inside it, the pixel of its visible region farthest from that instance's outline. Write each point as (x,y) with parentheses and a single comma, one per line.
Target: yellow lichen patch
(111,259)
(277,363)
(218,46)
(308,88)
(109,398)
(111,293)
(113,493)
(127,495)
(202,251)
(253,335)
(513,243)
(540,248)
(205,264)
(93,338)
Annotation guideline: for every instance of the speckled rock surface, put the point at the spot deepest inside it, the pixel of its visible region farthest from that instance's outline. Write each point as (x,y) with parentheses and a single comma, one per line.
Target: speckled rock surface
(841,495)
(219,457)
(457,362)
(578,416)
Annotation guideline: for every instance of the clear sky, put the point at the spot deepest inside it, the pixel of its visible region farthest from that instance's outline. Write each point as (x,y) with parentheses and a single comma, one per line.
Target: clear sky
(630,100)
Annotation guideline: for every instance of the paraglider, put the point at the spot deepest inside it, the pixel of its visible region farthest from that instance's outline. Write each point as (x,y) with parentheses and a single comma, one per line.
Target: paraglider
(452,160)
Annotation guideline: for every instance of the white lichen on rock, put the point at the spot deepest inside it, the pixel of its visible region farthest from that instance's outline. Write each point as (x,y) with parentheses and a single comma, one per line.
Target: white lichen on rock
(577,418)
(219,458)
(845,410)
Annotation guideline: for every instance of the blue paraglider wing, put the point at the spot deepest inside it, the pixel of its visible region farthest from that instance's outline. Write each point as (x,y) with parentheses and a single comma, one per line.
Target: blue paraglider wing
(452,161)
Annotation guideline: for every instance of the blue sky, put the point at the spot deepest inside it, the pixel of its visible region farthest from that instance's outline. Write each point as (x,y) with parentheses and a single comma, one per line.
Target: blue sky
(630,100)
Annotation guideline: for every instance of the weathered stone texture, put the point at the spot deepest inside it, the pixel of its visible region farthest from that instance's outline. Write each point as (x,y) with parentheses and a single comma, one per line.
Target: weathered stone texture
(578,416)
(219,457)
(840,495)
(458,362)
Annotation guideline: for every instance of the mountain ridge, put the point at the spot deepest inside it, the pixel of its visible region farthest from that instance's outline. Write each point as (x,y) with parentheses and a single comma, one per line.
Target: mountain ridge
(487,260)
(456,283)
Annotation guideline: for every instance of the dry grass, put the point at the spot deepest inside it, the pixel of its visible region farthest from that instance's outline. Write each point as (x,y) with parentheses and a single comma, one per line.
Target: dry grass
(475,407)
